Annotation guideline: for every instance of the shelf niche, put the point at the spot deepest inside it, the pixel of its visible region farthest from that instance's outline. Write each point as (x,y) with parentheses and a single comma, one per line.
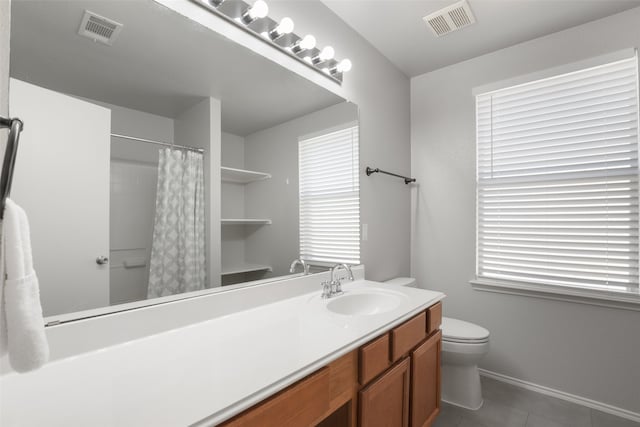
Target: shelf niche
(245,221)
(246,268)
(241,176)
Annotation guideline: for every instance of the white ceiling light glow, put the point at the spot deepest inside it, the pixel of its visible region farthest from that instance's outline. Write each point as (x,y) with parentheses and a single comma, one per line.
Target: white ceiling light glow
(253,18)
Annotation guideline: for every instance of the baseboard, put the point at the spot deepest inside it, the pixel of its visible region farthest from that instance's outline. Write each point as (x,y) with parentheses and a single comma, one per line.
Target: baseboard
(603,407)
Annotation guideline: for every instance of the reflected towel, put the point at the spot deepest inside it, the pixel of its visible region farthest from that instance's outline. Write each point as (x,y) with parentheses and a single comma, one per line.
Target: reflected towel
(22,328)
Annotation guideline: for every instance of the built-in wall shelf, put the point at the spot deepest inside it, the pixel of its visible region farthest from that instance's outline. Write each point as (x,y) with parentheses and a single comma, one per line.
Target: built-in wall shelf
(241,176)
(244,268)
(247,221)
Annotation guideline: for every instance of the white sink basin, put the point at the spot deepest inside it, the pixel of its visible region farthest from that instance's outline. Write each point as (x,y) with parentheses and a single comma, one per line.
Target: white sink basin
(365,302)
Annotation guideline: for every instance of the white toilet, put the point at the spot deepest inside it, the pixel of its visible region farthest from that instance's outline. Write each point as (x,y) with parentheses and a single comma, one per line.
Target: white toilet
(464,344)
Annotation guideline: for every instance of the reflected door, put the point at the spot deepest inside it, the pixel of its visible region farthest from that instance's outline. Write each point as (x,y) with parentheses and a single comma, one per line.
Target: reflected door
(62,181)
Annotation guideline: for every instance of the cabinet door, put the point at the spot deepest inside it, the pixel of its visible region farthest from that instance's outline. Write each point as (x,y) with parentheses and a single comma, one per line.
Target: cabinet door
(385,402)
(425,381)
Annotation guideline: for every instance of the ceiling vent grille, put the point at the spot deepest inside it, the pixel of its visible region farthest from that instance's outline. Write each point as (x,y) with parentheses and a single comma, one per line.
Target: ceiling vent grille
(450,18)
(99,28)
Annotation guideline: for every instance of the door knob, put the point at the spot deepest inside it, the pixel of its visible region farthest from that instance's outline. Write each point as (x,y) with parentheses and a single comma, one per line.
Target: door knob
(102,260)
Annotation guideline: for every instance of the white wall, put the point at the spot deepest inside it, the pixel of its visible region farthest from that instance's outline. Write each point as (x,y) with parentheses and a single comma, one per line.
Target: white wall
(199,126)
(581,349)
(381,92)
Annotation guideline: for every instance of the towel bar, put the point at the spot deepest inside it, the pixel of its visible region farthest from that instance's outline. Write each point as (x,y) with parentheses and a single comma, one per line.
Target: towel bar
(15,125)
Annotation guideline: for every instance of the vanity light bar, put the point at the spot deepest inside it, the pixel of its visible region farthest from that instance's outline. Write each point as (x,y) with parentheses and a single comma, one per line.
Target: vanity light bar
(254,19)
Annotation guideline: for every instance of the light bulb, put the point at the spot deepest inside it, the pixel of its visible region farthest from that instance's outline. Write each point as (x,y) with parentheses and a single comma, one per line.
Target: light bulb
(308,42)
(285,27)
(344,66)
(258,11)
(326,54)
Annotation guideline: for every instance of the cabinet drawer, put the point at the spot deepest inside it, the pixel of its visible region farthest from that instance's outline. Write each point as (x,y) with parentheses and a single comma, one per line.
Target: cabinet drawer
(408,335)
(300,405)
(374,359)
(434,318)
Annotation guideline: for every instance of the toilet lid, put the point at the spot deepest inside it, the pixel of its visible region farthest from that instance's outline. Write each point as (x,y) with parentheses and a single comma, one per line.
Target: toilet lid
(455,330)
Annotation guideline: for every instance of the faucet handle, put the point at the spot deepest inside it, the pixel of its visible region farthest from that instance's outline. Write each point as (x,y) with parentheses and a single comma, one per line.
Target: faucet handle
(336,286)
(326,289)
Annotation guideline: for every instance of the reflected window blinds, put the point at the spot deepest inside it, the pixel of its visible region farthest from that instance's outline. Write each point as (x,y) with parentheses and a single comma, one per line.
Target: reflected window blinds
(557,180)
(329,197)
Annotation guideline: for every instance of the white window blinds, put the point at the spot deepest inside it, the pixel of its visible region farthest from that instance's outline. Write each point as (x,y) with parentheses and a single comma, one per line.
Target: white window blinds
(557,175)
(329,197)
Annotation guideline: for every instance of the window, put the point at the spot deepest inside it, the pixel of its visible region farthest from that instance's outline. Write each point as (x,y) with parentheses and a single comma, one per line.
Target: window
(330,196)
(557,180)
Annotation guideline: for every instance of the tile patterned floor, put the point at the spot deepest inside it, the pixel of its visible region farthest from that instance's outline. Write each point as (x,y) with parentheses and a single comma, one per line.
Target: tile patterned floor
(509,406)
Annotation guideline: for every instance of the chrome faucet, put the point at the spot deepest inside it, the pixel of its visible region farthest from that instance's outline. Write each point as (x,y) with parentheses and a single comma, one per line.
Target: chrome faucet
(305,266)
(334,282)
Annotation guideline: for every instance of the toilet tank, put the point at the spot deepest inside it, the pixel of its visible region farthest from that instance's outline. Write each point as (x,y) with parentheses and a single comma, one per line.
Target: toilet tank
(402,281)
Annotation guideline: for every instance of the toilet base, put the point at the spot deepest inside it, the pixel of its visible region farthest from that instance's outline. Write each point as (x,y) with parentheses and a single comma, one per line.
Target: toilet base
(461,386)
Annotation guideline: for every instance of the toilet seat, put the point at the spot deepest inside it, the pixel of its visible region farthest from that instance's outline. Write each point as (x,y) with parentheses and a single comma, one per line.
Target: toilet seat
(459,331)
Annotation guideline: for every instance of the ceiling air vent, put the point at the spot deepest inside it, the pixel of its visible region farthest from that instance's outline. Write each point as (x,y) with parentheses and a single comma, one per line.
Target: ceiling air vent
(451,18)
(99,28)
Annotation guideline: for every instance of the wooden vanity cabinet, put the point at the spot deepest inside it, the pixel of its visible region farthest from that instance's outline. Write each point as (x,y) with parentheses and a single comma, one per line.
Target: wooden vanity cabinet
(392,381)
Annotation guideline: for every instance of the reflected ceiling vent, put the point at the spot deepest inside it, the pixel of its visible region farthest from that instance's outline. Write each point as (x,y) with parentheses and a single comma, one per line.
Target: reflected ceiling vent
(450,18)
(99,28)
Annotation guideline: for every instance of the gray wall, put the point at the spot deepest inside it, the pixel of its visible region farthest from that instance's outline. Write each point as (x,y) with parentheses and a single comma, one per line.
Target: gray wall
(275,150)
(232,206)
(581,349)
(5,32)
(381,92)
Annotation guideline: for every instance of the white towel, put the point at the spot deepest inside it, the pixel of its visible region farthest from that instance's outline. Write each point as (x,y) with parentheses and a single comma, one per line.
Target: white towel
(22,328)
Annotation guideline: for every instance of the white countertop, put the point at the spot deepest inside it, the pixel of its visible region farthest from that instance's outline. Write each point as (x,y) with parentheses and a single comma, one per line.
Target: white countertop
(202,373)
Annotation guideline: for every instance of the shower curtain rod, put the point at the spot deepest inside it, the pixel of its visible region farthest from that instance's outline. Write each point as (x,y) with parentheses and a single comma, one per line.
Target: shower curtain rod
(166,144)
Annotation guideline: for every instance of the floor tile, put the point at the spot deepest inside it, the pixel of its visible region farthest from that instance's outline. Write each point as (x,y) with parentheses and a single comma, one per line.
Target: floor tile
(493,414)
(449,416)
(506,405)
(468,423)
(602,419)
(539,421)
(562,412)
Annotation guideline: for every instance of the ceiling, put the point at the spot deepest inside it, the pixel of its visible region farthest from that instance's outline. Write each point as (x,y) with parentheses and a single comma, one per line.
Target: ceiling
(396,28)
(161,63)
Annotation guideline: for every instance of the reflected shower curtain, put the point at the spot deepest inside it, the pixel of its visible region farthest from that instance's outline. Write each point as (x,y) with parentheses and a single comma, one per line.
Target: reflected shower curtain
(178,248)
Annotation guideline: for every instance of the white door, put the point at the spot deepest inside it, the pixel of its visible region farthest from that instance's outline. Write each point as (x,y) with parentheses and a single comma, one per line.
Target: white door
(61,179)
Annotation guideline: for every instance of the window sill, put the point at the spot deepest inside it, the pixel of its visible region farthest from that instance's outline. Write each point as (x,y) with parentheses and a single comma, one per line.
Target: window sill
(621,300)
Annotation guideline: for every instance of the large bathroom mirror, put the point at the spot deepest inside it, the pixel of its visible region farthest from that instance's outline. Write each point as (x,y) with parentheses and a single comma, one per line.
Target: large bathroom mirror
(158,159)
